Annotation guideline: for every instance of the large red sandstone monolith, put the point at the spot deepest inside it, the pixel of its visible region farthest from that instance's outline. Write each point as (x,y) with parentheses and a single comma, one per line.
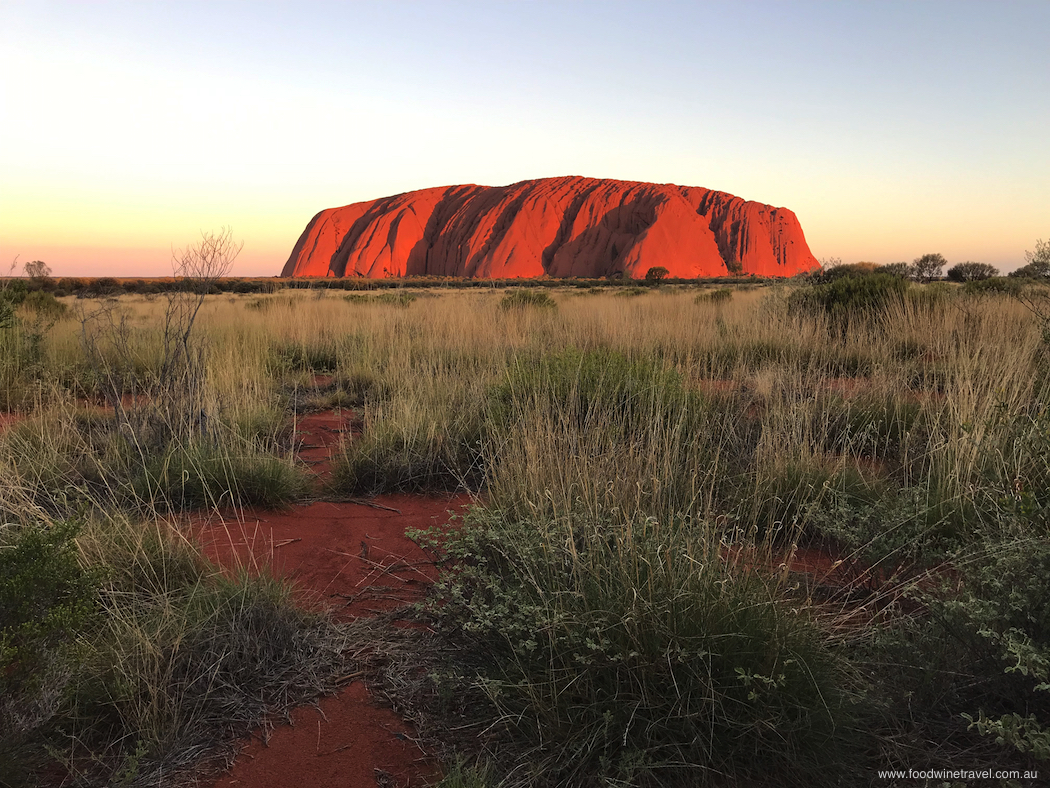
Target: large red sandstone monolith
(559,227)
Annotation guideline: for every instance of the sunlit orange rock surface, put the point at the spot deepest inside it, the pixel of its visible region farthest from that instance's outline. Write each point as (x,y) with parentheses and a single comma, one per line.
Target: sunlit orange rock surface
(558,227)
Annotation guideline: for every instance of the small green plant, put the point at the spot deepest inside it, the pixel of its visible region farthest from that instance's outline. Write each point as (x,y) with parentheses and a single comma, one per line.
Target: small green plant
(656,274)
(978,659)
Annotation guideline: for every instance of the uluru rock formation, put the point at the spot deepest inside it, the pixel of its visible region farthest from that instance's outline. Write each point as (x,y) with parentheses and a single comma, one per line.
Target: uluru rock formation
(558,227)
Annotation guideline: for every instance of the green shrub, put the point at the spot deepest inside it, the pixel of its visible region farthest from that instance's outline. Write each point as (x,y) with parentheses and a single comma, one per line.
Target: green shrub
(1037,263)
(831,273)
(45,599)
(628,652)
(527,298)
(995,284)
(397,298)
(893,269)
(7,314)
(45,305)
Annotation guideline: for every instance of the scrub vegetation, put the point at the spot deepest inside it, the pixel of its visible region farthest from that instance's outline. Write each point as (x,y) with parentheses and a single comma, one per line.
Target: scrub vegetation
(779,535)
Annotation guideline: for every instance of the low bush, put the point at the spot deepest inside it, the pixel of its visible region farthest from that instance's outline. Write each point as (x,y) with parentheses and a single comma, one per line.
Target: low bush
(45,305)
(994,284)
(47,599)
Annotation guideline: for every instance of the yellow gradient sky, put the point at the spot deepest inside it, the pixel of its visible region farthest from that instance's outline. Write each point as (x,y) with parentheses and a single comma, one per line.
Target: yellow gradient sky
(891,128)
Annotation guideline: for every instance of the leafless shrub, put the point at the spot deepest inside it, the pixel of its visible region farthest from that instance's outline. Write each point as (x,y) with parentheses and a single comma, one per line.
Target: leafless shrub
(157,402)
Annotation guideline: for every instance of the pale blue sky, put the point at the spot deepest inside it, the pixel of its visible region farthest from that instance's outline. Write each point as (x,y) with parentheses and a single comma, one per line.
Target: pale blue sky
(891,128)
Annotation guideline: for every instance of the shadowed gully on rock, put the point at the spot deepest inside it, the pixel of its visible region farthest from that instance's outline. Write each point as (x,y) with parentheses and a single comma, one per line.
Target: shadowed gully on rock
(560,227)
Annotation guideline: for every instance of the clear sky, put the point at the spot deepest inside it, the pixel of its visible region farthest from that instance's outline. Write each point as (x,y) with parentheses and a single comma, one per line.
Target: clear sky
(891,128)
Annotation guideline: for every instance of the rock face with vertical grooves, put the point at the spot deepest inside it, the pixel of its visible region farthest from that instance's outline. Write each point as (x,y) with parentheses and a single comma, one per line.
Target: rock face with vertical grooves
(559,227)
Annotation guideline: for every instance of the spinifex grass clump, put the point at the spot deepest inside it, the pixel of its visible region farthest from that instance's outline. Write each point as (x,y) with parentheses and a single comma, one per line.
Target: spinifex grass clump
(420,440)
(850,298)
(202,474)
(719,296)
(527,299)
(598,431)
(632,651)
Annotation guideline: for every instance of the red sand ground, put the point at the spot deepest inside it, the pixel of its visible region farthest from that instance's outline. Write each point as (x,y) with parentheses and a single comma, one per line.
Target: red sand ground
(355,556)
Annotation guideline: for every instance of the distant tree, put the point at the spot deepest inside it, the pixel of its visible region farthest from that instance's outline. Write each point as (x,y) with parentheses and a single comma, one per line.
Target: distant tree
(37,269)
(971,272)
(656,273)
(901,270)
(104,286)
(927,268)
(1038,263)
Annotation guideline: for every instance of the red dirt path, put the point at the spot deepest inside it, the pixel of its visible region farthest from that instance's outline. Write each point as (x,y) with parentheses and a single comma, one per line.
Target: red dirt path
(354,556)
